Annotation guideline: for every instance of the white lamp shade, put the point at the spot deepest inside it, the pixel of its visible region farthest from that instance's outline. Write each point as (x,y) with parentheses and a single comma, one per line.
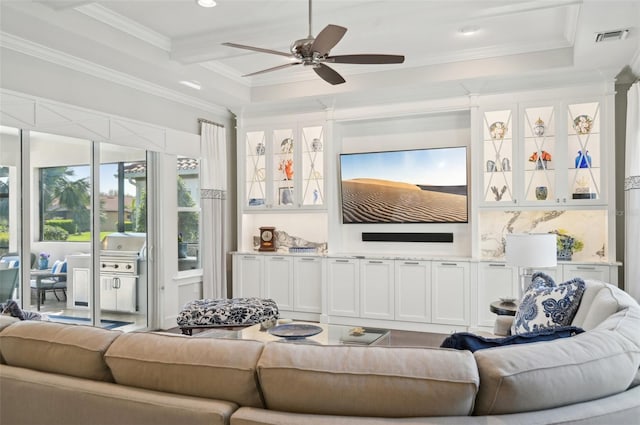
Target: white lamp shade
(531,250)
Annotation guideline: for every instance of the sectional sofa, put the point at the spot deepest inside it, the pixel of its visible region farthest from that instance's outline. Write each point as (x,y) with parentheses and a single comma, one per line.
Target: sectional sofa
(70,374)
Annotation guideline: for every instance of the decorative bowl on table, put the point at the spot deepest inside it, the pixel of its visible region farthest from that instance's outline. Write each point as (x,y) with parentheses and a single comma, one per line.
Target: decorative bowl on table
(294,331)
(508,300)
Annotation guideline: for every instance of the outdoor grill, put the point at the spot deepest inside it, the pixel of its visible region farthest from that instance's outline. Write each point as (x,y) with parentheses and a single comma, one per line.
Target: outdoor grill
(120,268)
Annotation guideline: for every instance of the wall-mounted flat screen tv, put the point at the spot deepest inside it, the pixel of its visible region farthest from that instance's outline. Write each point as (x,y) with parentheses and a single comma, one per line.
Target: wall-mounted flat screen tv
(408,186)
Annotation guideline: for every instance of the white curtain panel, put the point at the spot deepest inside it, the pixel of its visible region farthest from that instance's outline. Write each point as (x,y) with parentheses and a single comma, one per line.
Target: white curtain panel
(213,195)
(632,194)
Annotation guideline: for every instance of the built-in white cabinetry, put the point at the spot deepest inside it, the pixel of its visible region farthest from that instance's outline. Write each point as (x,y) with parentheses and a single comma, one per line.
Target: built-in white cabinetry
(278,280)
(495,280)
(307,284)
(544,154)
(588,271)
(118,293)
(283,166)
(294,283)
(248,275)
(343,287)
(377,289)
(413,291)
(450,294)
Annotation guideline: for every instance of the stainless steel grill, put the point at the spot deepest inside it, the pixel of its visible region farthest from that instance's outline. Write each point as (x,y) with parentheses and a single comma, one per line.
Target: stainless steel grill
(121,253)
(120,259)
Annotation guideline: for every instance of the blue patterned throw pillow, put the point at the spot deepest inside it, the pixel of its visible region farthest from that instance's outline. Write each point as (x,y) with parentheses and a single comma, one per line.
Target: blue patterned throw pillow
(546,304)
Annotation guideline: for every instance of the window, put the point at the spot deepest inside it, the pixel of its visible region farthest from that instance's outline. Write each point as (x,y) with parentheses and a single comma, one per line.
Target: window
(188,213)
(65,195)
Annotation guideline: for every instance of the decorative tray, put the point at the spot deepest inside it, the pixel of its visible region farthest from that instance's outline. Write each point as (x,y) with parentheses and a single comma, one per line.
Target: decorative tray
(294,331)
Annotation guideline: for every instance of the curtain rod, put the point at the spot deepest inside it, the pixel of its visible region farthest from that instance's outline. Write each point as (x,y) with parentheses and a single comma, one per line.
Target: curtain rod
(202,120)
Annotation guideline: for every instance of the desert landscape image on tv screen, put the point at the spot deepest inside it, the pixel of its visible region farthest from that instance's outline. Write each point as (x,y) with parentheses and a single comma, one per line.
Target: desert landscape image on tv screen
(410,186)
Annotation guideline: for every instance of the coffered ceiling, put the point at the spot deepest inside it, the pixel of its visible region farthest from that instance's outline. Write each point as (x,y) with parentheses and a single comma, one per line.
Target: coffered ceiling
(159,43)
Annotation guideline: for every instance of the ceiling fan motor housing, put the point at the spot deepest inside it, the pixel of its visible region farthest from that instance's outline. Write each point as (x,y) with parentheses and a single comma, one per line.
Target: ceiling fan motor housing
(301,49)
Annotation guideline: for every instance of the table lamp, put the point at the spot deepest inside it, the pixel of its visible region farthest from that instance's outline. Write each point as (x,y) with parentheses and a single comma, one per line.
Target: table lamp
(529,251)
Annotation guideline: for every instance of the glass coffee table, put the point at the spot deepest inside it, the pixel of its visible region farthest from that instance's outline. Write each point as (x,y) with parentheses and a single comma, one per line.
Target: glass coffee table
(330,335)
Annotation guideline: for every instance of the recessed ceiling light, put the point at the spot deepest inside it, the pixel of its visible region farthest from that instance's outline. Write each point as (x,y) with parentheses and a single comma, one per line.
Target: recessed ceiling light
(193,84)
(469,30)
(206,3)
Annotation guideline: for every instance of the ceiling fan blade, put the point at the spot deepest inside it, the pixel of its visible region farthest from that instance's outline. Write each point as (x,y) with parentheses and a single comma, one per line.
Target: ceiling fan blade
(257,49)
(328,74)
(366,59)
(328,37)
(275,68)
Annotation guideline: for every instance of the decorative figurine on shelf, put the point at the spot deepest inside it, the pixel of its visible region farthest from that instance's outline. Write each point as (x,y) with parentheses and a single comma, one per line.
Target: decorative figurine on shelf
(540,160)
(260,149)
(491,166)
(498,194)
(316,145)
(506,165)
(286,146)
(538,128)
(583,160)
(498,130)
(316,196)
(582,124)
(286,166)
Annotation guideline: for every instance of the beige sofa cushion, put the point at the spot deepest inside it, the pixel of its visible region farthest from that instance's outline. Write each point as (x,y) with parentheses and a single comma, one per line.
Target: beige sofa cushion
(599,301)
(74,350)
(367,381)
(545,375)
(202,367)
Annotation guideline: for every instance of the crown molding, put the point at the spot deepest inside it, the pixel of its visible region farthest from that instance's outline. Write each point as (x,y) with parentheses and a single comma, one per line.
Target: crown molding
(126,25)
(57,57)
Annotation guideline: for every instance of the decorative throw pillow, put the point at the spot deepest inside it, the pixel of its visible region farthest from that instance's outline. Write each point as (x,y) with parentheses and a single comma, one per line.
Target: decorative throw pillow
(547,305)
(472,342)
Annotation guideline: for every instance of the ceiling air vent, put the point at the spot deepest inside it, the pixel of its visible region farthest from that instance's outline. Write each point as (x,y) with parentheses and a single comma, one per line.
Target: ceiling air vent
(611,35)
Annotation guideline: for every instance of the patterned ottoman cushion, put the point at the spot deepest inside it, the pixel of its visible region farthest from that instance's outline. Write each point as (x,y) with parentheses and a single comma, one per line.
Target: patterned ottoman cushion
(227,312)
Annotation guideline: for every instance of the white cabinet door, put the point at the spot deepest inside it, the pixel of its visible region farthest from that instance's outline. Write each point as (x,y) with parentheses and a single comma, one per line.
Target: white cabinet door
(108,294)
(569,271)
(81,278)
(307,284)
(377,289)
(450,293)
(247,276)
(343,283)
(413,291)
(278,280)
(495,280)
(126,293)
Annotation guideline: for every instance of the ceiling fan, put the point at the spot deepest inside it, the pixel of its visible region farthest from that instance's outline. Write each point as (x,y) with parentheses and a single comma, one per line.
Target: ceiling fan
(314,52)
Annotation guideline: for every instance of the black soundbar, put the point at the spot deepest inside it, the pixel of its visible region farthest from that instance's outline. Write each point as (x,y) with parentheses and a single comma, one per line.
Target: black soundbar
(407,237)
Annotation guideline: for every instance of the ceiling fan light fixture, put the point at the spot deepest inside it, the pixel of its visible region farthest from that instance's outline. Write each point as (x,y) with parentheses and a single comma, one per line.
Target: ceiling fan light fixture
(206,3)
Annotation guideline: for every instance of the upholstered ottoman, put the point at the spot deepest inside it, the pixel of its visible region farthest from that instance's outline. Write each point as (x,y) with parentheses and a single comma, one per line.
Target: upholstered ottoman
(220,312)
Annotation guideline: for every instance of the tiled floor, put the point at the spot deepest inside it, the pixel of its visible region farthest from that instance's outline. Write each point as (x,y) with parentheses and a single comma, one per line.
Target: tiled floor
(52,307)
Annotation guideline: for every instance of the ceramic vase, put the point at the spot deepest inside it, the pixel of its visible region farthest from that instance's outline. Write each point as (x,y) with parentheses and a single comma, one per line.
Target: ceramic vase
(260,149)
(538,128)
(43,263)
(316,145)
(541,193)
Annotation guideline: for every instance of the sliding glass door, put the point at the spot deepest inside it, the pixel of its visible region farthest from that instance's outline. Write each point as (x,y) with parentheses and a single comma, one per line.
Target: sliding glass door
(85,227)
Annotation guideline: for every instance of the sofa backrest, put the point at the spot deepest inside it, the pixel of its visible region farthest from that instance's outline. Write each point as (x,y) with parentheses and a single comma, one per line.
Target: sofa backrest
(599,301)
(74,350)
(203,367)
(367,381)
(588,366)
